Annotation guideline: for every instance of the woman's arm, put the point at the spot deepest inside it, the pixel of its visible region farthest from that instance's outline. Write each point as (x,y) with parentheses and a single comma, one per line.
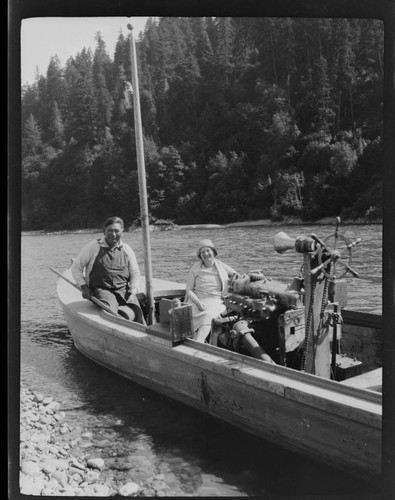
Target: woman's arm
(195,299)
(190,294)
(229,269)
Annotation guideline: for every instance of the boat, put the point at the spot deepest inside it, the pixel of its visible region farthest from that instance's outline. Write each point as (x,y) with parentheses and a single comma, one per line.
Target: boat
(311,398)
(338,422)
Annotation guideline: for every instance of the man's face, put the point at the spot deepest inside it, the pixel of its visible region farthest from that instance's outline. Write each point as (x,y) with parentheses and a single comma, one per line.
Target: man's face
(113,234)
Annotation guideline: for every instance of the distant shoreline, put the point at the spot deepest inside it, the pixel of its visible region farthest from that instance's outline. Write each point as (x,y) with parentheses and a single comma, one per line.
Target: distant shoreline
(290,221)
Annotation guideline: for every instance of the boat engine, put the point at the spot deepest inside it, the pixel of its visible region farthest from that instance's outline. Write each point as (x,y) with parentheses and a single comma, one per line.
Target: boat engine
(296,325)
(264,318)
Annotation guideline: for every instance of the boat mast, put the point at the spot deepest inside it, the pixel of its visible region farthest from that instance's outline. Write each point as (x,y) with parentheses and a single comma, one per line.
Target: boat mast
(142,182)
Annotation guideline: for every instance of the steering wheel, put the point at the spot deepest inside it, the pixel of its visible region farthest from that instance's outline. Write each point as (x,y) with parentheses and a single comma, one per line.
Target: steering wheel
(334,250)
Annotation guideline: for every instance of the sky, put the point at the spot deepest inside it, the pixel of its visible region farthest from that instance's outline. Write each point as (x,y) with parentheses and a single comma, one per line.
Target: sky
(42,38)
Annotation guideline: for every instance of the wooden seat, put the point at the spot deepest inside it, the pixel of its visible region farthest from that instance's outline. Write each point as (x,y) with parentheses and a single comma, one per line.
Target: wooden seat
(372,380)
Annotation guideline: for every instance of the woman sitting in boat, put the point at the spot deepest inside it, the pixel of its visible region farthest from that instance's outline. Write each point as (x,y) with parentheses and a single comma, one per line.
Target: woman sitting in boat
(107,269)
(207,282)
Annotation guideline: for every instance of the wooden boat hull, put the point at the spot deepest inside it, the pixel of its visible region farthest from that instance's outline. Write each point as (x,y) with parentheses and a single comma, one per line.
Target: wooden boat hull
(323,419)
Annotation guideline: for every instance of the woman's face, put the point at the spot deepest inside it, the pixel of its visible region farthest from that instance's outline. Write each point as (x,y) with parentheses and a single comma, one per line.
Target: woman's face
(207,256)
(113,234)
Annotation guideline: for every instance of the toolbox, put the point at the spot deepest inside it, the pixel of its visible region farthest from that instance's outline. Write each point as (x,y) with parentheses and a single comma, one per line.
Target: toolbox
(347,367)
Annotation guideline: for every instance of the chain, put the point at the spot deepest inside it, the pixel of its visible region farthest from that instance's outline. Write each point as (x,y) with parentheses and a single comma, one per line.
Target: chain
(308,325)
(309,333)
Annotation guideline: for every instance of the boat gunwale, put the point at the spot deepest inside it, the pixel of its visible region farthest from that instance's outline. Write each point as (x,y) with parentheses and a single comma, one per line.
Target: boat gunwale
(361,318)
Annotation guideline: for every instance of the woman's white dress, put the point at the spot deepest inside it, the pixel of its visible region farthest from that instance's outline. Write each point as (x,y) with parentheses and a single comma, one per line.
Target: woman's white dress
(208,290)
(209,284)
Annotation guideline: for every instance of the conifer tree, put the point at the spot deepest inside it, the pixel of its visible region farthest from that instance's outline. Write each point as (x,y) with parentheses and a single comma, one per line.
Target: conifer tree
(102,96)
(225,48)
(203,47)
(55,84)
(31,138)
(56,127)
(30,102)
(82,105)
(344,74)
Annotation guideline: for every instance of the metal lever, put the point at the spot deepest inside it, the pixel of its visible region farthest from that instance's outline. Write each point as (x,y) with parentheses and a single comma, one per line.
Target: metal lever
(350,269)
(354,243)
(315,238)
(335,255)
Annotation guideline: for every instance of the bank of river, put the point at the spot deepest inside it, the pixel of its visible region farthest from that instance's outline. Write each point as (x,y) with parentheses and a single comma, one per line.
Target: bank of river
(57,457)
(286,221)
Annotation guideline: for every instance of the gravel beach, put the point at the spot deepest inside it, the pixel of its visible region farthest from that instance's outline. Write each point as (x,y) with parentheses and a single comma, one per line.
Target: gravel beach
(58,458)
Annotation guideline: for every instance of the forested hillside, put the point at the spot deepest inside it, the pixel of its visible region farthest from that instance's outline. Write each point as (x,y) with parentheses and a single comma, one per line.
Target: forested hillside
(243,118)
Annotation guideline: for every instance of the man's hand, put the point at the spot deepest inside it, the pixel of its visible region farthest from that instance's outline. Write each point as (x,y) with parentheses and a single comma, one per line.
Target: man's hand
(132,299)
(267,359)
(86,293)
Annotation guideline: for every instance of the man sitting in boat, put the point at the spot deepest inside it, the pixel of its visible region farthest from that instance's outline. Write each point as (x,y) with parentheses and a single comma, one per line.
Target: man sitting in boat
(207,282)
(107,269)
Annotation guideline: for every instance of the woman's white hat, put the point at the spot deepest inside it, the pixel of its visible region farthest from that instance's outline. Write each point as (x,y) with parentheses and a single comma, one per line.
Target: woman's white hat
(207,243)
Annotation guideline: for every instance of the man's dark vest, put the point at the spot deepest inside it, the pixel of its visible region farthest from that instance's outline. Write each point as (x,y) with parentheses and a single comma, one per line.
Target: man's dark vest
(110,269)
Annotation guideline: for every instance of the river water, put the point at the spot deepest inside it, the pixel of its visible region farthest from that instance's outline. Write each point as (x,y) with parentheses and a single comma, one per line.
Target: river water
(204,456)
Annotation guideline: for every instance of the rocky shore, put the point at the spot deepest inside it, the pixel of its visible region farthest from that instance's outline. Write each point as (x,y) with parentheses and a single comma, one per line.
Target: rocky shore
(58,458)
(286,221)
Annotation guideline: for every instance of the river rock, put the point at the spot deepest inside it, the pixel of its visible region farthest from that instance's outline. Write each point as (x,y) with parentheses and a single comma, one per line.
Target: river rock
(120,465)
(45,419)
(86,444)
(78,465)
(63,452)
(92,476)
(101,490)
(79,492)
(67,490)
(53,405)
(89,491)
(57,463)
(76,477)
(50,487)
(43,437)
(159,485)
(38,398)
(104,443)
(40,446)
(30,468)
(31,417)
(60,476)
(96,463)
(48,467)
(28,486)
(129,489)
